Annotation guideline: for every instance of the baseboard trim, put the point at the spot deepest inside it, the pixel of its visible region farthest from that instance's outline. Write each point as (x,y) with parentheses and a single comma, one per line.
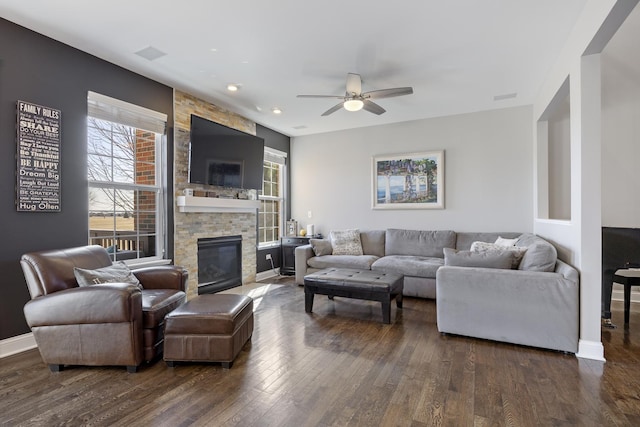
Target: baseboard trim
(264,275)
(590,350)
(15,345)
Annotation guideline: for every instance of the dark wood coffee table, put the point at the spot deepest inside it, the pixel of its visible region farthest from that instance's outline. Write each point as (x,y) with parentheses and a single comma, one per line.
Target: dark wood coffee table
(359,284)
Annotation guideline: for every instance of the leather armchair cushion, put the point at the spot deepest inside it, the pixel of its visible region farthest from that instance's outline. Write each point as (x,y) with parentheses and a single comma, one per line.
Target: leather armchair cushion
(108,303)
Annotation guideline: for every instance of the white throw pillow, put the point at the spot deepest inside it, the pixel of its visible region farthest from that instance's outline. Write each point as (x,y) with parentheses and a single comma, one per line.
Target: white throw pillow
(484,247)
(346,242)
(501,241)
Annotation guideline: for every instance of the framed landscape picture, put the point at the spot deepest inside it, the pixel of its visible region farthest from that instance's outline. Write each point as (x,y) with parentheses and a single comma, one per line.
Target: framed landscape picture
(409,181)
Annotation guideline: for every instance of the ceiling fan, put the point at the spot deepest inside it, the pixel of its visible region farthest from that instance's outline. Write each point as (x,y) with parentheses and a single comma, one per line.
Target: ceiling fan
(354,99)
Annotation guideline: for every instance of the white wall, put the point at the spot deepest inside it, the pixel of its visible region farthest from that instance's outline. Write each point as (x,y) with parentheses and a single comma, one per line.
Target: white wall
(621,128)
(488,174)
(559,144)
(581,237)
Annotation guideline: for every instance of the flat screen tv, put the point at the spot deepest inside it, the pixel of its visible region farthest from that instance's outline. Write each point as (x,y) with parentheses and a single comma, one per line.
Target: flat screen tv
(225,157)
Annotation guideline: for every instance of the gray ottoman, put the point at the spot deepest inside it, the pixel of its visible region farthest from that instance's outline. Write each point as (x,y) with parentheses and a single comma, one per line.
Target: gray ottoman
(208,328)
(360,284)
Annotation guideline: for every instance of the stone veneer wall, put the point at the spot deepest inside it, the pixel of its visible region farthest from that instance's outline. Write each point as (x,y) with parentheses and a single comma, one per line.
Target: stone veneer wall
(189,227)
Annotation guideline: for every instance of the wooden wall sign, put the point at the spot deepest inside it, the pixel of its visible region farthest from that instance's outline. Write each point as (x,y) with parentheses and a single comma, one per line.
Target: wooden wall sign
(38,188)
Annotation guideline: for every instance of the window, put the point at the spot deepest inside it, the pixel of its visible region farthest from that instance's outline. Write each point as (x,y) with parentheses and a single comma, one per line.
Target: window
(272,198)
(125,152)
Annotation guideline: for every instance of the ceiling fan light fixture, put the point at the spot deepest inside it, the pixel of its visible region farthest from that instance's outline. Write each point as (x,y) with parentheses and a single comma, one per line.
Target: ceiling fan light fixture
(353,104)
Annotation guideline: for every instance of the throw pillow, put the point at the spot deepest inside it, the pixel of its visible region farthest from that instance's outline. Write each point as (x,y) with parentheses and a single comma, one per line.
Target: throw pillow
(456,258)
(501,241)
(119,272)
(321,246)
(518,252)
(346,242)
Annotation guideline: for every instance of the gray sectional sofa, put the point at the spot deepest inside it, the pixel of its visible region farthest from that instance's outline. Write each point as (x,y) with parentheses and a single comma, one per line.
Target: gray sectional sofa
(534,301)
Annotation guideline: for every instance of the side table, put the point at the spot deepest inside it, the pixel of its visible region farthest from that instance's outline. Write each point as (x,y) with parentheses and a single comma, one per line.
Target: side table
(628,278)
(288,246)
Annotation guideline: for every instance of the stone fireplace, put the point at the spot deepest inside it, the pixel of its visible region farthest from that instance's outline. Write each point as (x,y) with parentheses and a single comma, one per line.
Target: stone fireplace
(222,219)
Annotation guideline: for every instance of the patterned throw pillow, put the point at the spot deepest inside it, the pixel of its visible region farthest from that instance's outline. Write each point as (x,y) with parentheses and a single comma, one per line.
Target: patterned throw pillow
(484,247)
(119,272)
(346,242)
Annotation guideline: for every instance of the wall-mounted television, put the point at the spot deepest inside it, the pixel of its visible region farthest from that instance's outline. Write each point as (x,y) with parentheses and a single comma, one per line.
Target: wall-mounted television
(225,157)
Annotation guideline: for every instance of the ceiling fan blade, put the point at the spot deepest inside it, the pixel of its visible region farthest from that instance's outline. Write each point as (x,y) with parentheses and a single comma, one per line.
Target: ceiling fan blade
(321,96)
(372,107)
(354,84)
(333,109)
(388,93)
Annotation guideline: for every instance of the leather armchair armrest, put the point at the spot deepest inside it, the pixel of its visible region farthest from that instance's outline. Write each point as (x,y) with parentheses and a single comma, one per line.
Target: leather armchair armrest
(163,277)
(105,303)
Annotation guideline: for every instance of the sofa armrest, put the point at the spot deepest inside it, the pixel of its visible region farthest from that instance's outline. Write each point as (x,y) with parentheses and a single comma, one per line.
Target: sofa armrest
(105,303)
(302,255)
(163,277)
(533,308)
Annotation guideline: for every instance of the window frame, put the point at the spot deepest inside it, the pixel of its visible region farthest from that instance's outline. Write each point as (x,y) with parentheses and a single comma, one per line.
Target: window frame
(139,118)
(280,158)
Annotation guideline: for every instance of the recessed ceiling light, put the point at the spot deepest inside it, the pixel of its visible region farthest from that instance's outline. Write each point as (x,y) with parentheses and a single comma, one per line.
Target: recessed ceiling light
(232,87)
(276,110)
(213,49)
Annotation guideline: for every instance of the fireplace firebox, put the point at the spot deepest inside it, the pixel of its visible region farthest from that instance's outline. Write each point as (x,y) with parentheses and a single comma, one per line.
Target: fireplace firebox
(219,263)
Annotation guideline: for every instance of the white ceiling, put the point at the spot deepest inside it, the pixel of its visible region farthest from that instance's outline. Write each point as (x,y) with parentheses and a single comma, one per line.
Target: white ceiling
(457,55)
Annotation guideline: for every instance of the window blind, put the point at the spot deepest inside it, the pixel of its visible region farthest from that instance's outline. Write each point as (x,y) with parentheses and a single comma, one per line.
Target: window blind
(275,156)
(114,110)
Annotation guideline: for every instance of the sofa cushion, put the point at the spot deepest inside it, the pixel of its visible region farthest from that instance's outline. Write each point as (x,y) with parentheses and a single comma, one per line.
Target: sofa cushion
(359,262)
(492,248)
(346,242)
(540,256)
(321,246)
(409,265)
(372,242)
(418,243)
(496,259)
(119,272)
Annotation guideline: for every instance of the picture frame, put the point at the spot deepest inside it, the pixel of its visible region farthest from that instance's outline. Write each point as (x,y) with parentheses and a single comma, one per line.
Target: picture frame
(291,228)
(408,181)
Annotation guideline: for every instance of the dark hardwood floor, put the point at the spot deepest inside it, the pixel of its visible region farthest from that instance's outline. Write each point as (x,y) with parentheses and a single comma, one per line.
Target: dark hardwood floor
(341,366)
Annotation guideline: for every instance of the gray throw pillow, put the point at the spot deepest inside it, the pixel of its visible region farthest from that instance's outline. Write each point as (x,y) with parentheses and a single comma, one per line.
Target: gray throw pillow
(321,246)
(346,242)
(119,272)
(456,258)
(484,247)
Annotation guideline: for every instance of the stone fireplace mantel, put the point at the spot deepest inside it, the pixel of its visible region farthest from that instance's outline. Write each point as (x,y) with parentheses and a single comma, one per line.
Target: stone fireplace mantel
(213,204)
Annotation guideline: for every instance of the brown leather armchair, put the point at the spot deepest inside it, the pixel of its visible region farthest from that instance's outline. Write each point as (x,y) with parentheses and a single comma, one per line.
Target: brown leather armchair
(113,324)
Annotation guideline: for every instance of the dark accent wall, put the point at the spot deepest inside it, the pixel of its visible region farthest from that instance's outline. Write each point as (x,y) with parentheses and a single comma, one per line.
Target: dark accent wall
(280,142)
(37,69)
